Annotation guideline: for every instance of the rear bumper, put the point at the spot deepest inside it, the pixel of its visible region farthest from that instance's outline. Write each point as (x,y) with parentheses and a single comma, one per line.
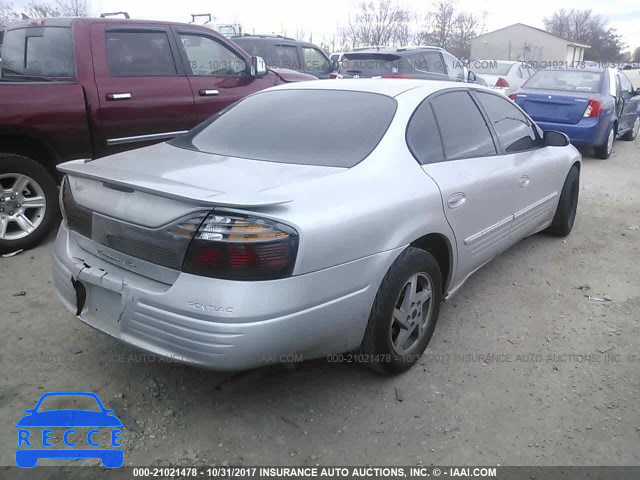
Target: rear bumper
(221,324)
(588,132)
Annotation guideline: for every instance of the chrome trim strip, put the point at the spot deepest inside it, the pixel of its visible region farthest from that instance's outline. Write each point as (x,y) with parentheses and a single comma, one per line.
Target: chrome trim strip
(144,138)
(526,210)
(484,232)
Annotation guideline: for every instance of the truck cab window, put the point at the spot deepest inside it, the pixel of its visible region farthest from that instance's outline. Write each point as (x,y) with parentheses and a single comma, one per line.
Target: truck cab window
(139,54)
(208,57)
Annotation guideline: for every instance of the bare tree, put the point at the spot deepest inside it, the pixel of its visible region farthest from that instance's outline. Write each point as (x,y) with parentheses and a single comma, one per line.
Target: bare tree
(465,28)
(378,22)
(636,55)
(300,35)
(42,10)
(61,8)
(584,27)
(444,20)
(74,8)
(7,14)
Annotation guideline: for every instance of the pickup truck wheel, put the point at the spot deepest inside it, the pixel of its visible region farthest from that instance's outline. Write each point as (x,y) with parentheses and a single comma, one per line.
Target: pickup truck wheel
(28,203)
(567,208)
(404,313)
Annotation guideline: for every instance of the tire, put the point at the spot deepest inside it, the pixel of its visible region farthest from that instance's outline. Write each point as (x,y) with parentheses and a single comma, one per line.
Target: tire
(378,350)
(631,135)
(565,216)
(604,151)
(16,233)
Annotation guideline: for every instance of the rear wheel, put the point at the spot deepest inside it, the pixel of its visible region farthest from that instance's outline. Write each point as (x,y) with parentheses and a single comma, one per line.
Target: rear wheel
(404,313)
(28,203)
(567,205)
(633,133)
(604,151)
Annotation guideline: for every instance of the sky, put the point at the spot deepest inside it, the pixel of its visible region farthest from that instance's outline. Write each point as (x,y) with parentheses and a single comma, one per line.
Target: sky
(323,16)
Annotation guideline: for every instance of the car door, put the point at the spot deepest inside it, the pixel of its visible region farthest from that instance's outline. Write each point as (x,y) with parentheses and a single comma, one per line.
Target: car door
(539,174)
(451,139)
(630,104)
(218,74)
(144,96)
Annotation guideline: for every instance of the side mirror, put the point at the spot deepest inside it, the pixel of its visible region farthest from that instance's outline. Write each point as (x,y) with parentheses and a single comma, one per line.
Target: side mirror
(556,139)
(258,67)
(471,77)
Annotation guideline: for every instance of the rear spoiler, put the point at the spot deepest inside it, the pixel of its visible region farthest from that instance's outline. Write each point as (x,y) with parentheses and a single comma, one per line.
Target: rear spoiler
(169,188)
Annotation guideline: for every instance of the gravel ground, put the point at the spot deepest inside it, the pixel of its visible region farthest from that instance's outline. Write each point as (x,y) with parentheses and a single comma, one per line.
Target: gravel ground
(523,369)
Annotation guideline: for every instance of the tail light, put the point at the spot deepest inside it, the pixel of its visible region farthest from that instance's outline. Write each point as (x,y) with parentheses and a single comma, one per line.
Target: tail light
(397,75)
(594,109)
(512,96)
(242,247)
(79,219)
(501,83)
(335,75)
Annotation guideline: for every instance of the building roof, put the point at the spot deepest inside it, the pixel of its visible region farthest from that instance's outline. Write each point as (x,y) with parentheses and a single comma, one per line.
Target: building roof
(570,42)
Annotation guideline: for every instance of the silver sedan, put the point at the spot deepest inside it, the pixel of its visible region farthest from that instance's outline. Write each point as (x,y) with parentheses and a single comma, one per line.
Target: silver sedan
(308,220)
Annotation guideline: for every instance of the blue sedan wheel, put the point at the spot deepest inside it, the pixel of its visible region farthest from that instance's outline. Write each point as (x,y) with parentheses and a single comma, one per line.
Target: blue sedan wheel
(604,150)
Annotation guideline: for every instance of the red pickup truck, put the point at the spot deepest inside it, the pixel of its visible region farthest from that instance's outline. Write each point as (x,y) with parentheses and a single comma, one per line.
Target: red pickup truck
(90,87)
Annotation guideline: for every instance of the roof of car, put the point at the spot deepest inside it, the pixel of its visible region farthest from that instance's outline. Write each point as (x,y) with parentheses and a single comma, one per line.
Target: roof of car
(391,87)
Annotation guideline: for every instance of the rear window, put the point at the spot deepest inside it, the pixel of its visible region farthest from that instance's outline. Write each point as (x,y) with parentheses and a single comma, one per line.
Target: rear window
(332,128)
(566,80)
(38,52)
(373,64)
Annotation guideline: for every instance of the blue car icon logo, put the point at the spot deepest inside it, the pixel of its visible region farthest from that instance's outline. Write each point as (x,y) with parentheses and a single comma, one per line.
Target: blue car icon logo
(92,432)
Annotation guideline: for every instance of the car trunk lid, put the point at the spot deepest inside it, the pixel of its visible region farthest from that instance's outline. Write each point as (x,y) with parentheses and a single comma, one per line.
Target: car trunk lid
(148,203)
(554,107)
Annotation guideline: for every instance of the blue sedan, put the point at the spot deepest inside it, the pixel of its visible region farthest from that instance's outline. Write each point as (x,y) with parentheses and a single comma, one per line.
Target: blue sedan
(592,106)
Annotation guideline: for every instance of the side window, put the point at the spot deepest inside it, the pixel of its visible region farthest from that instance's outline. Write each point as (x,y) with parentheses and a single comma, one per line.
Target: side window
(455,67)
(314,60)
(208,57)
(139,54)
(515,132)
(462,127)
(432,62)
(626,83)
(423,137)
(286,56)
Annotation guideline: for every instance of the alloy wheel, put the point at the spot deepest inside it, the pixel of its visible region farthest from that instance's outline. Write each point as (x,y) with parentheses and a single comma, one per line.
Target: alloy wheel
(22,206)
(412,313)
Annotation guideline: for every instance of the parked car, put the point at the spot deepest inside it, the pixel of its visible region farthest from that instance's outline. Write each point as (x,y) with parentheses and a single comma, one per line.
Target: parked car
(285,52)
(429,63)
(86,88)
(504,76)
(592,106)
(221,248)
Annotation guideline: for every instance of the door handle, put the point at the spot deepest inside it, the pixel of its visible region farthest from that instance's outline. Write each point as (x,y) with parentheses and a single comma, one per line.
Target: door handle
(457,200)
(209,93)
(524,181)
(118,96)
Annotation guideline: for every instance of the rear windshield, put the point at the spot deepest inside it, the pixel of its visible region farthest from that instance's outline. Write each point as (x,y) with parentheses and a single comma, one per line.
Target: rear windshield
(566,80)
(38,52)
(490,67)
(373,64)
(332,128)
